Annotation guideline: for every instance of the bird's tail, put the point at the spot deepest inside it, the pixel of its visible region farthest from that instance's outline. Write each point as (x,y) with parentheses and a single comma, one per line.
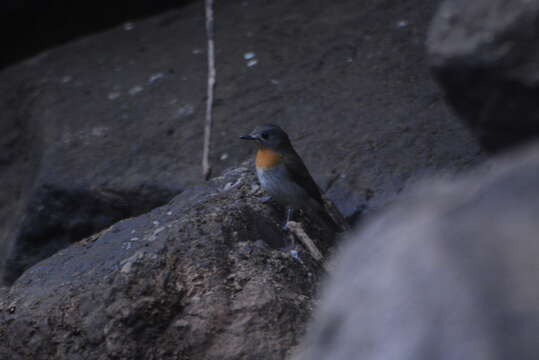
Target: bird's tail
(324,217)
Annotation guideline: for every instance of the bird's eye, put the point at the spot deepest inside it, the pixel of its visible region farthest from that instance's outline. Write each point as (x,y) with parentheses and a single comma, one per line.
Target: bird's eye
(264,136)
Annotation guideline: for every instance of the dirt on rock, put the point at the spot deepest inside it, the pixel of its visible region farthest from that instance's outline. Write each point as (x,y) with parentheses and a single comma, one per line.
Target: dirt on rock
(204,277)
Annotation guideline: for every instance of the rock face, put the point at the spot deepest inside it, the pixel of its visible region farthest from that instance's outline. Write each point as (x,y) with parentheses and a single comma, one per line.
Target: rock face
(484,53)
(69,176)
(110,126)
(199,278)
(31,26)
(449,273)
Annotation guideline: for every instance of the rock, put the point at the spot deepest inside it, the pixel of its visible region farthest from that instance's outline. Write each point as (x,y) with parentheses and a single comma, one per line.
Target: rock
(200,278)
(450,272)
(484,55)
(31,26)
(110,126)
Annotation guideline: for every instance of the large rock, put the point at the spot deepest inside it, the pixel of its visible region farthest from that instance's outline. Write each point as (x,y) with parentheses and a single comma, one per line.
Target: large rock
(200,278)
(485,54)
(31,26)
(451,272)
(111,125)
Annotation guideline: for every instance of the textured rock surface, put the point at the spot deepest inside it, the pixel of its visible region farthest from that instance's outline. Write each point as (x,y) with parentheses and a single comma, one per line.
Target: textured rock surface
(110,126)
(485,55)
(449,273)
(198,278)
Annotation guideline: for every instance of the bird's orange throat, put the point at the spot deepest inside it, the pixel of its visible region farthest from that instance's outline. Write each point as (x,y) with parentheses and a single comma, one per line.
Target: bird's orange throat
(266,158)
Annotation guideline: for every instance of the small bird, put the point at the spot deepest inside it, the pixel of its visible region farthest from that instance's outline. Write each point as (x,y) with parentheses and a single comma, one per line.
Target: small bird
(283,175)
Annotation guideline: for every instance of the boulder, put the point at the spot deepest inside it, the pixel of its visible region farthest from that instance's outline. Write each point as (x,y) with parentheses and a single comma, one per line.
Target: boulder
(484,54)
(203,277)
(449,272)
(110,126)
(31,26)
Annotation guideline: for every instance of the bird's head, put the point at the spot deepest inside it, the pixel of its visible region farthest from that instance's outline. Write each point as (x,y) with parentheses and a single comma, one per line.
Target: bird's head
(269,136)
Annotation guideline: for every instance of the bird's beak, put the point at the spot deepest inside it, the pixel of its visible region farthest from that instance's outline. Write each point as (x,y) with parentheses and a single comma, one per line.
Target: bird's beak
(247,137)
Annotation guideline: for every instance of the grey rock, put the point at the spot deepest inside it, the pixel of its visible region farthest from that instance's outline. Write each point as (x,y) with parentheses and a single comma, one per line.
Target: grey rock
(31,26)
(109,126)
(449,272)
(484,54)
(200,278)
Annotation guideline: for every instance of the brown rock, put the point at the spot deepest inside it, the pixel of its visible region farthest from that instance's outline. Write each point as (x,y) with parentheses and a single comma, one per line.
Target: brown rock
(200,278)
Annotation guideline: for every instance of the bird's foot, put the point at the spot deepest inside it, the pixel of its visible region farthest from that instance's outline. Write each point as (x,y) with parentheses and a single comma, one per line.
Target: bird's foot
(295,255)
(285,227)
(289,216)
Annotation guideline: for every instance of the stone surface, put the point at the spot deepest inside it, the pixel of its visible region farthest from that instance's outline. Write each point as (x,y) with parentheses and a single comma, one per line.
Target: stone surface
(485,54)
(31,26)
(450,272)
(200,278)
(110,126)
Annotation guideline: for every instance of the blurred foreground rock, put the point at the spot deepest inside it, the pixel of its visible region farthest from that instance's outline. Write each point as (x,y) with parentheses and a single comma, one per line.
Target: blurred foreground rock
(199,278)
(450,272)
(485,55)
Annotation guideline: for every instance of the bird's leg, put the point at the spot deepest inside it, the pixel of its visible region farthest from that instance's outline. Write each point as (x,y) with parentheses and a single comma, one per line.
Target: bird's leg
(291,242)
(289,215)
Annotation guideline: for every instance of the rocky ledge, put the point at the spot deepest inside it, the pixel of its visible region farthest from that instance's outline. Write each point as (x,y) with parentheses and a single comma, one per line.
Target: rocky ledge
(204,277)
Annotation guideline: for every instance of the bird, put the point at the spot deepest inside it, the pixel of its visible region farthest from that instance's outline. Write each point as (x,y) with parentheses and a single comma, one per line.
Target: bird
(283,175)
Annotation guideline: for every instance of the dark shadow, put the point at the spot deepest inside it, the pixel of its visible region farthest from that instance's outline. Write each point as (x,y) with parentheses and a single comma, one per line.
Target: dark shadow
(31,26)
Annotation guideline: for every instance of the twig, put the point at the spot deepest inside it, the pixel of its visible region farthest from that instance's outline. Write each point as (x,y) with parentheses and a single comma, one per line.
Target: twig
(301,235)
(206,167)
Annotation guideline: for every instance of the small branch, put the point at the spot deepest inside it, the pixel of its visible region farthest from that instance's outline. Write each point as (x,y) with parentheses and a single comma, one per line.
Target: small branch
(206,167)
(301,235)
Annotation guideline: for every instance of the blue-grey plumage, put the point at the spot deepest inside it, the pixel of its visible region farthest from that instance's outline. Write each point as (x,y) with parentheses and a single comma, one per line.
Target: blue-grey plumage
(277,182)
(283,175)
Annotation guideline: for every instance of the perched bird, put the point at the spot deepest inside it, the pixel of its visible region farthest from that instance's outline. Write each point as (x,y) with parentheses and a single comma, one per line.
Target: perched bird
(283,175)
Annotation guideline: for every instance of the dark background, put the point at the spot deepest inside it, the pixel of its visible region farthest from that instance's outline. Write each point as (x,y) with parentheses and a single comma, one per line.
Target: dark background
(30,26)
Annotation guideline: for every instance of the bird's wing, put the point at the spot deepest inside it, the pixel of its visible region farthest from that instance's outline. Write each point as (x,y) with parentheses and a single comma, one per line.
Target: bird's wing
(301,176)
